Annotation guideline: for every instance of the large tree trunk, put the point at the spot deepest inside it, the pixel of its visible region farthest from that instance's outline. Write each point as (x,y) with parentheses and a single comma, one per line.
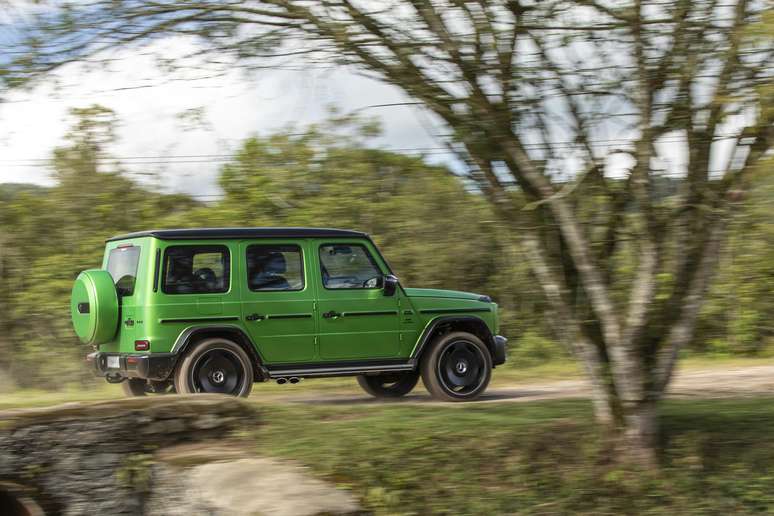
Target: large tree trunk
(639,435)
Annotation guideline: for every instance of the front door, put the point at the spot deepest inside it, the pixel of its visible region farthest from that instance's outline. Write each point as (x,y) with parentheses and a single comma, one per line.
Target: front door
(355,319)
(278,300)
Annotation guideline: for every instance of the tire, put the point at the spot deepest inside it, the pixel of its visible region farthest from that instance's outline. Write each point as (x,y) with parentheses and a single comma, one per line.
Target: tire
(217,366)
(390,385)
(457,367)
(134,387)
(139,387)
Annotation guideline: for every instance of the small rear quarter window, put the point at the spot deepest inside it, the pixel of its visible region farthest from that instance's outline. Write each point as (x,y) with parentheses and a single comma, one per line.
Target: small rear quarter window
(122,266)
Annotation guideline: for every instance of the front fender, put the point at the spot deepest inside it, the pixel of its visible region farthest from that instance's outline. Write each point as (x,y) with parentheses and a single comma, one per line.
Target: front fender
(465,322)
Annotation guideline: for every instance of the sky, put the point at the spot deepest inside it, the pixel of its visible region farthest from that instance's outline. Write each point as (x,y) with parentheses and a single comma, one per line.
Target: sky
(148,106)
(156,145)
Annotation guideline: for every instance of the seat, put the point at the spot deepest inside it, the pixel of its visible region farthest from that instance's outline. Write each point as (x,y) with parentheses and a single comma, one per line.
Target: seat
(180,279)
(269,269)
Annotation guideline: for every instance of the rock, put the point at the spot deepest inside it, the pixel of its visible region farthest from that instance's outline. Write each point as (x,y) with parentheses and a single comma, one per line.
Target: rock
(162,455)
(251,486)
(96,458)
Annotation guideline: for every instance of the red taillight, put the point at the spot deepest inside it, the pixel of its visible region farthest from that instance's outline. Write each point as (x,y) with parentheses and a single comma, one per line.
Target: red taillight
(141,345)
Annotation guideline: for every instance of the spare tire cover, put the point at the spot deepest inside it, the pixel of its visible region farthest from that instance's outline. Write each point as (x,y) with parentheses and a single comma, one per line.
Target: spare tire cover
(94,307)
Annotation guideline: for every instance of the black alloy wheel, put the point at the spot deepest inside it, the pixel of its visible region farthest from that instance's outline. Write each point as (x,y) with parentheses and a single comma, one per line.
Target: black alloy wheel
(215,366)
(457,367)
(217,371)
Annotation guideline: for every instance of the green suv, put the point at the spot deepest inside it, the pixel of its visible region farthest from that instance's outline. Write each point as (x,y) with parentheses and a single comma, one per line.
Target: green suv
(214,310)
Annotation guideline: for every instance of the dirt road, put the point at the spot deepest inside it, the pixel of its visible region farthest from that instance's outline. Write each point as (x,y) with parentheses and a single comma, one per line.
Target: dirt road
(696,383)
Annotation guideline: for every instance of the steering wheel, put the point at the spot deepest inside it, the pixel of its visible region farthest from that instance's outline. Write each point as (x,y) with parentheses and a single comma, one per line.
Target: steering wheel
(205,275)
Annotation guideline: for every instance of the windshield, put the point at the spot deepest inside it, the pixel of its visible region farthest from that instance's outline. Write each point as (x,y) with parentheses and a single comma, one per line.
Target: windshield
(122,265)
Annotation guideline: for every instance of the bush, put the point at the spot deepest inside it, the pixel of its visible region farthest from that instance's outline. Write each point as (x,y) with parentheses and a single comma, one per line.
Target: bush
(533,349)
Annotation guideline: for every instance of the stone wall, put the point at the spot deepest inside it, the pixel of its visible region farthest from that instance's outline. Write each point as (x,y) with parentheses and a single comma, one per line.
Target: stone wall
(99,458)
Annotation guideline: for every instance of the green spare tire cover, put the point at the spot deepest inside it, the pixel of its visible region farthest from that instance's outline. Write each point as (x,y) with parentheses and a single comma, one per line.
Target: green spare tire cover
(94,307)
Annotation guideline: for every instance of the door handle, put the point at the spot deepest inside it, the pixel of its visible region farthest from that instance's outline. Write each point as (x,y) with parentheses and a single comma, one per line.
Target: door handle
(255,317)
(331,314)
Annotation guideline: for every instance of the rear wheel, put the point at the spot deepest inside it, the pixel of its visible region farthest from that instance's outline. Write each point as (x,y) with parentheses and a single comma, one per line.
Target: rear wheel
(390,385)
(217,366)
(140,387)
(134,387)
(457,367)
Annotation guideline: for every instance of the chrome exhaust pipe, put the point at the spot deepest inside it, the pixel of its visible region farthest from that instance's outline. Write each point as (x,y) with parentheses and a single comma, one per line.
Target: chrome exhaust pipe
(294,379)
(282,381)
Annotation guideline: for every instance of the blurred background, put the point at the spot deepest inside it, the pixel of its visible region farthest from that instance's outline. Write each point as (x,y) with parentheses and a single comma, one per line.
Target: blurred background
(601,169)
(431,224)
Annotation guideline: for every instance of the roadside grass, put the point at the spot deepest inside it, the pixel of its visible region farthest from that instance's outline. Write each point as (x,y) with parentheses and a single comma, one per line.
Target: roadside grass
(528,458)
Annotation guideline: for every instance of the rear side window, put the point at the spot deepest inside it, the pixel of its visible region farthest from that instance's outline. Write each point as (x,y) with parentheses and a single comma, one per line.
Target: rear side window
(196,269)
(274,267)
(347,266)
(122,266)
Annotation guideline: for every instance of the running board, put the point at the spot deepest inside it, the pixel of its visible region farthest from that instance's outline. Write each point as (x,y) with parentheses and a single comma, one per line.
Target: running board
(345,370)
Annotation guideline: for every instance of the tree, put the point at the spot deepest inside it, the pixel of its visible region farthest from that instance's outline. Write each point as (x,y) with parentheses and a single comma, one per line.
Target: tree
(541,98)
(49,235)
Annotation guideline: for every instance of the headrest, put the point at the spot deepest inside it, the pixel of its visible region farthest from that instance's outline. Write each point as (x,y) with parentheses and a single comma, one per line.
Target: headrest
(274,263)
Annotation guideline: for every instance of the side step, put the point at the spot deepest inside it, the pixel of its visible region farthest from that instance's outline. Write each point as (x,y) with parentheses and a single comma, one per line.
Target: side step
(340,370)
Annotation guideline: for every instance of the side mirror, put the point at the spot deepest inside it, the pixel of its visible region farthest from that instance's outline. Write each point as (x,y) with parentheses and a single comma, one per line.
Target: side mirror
(390,285)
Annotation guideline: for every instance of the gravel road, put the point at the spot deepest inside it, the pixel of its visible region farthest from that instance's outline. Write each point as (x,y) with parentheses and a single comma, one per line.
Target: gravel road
(695,383)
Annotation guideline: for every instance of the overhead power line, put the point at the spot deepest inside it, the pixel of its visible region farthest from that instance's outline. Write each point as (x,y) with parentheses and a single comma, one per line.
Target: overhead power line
(229,158)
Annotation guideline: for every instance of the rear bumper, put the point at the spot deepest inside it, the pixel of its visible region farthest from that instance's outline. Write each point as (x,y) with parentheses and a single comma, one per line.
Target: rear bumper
(500,345)
(158,366)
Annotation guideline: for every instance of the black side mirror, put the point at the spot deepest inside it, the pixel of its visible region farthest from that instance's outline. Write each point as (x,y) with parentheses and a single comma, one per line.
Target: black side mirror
(390,285)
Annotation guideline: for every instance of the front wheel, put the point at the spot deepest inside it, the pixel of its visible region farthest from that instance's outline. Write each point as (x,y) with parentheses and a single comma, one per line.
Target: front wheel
(457,367)
(217,366)
(390,385)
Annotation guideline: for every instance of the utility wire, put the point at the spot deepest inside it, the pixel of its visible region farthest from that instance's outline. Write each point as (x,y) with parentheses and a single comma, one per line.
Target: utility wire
(228,158)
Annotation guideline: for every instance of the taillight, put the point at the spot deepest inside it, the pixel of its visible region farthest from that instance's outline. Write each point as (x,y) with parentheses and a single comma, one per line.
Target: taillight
(141,345)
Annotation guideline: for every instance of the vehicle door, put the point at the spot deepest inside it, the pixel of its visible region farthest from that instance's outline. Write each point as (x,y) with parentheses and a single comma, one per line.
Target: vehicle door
(355,319)
(278,300)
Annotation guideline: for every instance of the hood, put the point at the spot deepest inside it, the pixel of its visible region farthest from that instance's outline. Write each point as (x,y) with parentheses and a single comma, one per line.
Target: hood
(432,292)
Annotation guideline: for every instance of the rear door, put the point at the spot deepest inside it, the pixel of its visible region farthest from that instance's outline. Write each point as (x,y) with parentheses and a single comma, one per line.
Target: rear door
(123,264)
(356,320)
(278,299)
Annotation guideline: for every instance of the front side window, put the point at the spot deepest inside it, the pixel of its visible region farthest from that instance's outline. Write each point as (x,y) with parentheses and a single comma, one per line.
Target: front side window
(274,267)
(348,266)
(122,266)
(196,270)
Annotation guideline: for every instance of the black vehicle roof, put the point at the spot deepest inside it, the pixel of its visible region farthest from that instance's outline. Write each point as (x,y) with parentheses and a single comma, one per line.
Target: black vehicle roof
(228,233)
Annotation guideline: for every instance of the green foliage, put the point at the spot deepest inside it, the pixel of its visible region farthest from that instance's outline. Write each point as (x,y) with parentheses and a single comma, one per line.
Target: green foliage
(46,238)
(737,314)
(533,349)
